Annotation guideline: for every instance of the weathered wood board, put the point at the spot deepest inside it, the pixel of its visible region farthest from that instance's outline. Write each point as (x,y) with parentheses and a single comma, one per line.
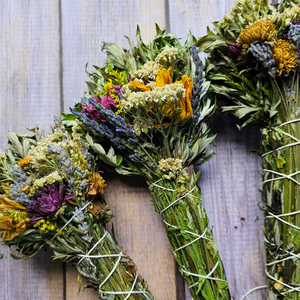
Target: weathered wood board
(43,51)
(29,89)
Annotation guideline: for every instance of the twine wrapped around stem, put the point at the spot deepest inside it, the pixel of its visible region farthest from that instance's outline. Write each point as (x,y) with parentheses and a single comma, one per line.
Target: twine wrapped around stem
(187,229)
(103,264)
(282,210)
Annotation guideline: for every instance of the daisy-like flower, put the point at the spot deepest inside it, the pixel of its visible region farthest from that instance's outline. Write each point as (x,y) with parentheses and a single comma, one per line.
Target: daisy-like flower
(285,57)
(259,31)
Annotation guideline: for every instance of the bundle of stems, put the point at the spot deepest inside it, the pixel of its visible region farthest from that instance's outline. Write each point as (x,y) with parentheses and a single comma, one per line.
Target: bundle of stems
(52,195)
(253,65)
(151,115)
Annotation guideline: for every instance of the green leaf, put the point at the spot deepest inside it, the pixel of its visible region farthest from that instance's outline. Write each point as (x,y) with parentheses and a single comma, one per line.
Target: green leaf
(109,158)
(273,110)
(222,284)
(68,119)
(26,147)
(206,110)
(205,42)
(205,142)
(122,170)
(241,110)
(15,145)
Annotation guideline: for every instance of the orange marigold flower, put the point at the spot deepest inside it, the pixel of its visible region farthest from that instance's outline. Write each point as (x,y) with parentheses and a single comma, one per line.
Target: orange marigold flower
(23,162)
(97,186)
(6,203)
(259,31)
(163,77)
(139,85)
(185,103)
(285,56)
(12,226)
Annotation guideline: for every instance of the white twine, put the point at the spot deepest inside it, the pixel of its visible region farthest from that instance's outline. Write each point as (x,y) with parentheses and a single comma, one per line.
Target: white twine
(120,255)
(282,176)
(112,271)
(279,217)
(291,289)
(289,122)
(283,250)
(287,134)
(188,193)
(198,237)
(281,220)
(189,232)
(99,241)
(70,221)
(253,290)
(208,276)
(100,256)
(282,147)
(193,241)
(192,233)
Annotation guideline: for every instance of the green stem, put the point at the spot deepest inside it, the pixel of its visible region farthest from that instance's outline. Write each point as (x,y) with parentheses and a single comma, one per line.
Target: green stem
(200,256)
(98,269)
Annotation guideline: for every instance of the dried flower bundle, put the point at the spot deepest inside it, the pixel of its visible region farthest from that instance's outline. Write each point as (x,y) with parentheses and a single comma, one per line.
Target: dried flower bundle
(254,64)
(52,195)
(155,126)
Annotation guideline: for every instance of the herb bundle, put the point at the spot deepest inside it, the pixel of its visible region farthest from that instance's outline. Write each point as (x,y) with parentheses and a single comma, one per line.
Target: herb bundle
(254,64)
(52,195)
(148,109)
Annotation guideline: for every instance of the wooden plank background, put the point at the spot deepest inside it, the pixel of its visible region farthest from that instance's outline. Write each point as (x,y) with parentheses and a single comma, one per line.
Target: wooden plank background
(44,47)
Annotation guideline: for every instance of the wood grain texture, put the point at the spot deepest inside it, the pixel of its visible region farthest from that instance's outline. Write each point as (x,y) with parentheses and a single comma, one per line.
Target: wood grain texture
(230,180)
(29,68)
(29,89)
(141,233)
(230,184)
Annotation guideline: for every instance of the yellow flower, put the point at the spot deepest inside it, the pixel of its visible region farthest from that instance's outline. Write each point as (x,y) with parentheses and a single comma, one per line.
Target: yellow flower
(163,77)
(97,186)
(186,103)
(6,203)
(25,161)
(12,224)
(285,56)
(108,86)
(259,31)
(139,86)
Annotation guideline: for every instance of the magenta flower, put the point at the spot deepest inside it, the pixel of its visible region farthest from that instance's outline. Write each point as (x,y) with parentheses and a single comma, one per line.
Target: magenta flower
(107,101)
(235,50)
(91,112)
(118,89)
(47,202)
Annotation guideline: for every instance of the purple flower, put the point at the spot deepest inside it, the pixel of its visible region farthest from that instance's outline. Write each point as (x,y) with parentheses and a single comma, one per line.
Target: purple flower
(47,202)
(107,101)
(118,89)
(130,79)
(235,50)
(91,112)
